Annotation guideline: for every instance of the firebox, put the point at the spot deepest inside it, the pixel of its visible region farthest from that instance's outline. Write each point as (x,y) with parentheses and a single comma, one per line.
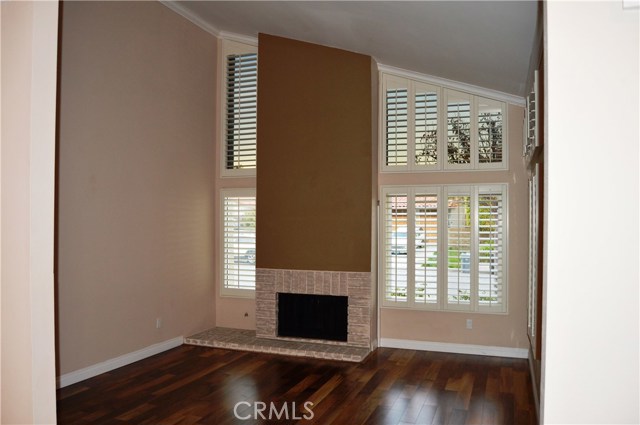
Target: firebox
(312,316)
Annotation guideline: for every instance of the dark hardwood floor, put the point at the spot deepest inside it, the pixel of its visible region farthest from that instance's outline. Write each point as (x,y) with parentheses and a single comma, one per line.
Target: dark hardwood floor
(197,385)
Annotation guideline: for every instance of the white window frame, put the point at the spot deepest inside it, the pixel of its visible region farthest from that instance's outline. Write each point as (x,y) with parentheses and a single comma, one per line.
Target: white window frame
(231,47)
(412,84)
(224,290)
(443,191)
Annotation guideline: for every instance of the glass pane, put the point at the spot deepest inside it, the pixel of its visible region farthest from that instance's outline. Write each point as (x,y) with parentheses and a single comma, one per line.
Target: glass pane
(426,243)
(458,130)
(396,247)
(426,127)
(459,249)
(489,133)
(396,120)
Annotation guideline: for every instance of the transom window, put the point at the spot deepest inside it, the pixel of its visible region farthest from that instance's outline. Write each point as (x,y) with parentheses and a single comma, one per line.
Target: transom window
(430,128)
(467,224)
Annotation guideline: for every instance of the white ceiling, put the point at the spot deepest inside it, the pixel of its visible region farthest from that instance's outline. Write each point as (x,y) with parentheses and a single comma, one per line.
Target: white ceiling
(484,43)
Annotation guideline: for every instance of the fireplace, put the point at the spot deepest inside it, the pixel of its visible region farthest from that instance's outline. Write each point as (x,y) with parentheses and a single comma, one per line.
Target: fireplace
(312,316)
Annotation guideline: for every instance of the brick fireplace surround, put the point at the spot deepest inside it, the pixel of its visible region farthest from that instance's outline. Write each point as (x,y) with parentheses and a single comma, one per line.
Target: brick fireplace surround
(354,285)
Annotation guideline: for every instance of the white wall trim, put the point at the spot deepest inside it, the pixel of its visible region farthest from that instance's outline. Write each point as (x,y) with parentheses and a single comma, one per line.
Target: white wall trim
(447,347)
(456,85)
(239,38)
(181,10)
(111,364)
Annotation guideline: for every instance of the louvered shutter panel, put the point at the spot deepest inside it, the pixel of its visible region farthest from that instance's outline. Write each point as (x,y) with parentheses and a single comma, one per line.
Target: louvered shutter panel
(459,237)
(490,118)
(239,242)
(241,106)
(491,240)
(426,245)
(396,122)
(458,128)
(395,246)
(426,125)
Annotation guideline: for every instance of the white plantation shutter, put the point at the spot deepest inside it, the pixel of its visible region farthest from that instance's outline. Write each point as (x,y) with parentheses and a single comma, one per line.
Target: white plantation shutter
(491,246)
(426,246)
(458,247)
(396,123)
(490,119)
(239,241)
(395,246)
(241,111)
(426,99)
(459,134)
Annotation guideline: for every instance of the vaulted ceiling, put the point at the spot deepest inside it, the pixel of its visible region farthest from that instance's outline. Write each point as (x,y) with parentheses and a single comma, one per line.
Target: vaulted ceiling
(484,43)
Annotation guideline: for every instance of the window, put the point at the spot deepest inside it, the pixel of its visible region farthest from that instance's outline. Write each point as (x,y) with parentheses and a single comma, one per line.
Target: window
(240,109)
(429,128)
(468,223)
(238,242)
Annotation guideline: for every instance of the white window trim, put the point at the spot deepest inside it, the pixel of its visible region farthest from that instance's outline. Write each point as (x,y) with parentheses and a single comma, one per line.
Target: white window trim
(230,47)
(442,192)
(413,80)
(230,292)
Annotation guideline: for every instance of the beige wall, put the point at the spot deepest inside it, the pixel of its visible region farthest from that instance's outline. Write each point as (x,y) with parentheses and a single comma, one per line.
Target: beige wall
(508,330)
(29,46)
(136,179)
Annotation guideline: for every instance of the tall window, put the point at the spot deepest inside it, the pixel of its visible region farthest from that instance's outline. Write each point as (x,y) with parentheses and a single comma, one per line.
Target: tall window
(431,128)
(240,106)
(468,225)
(238,242)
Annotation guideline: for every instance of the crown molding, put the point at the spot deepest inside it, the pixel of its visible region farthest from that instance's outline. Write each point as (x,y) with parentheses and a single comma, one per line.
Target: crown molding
(239,38)
(177,7)
(456,85)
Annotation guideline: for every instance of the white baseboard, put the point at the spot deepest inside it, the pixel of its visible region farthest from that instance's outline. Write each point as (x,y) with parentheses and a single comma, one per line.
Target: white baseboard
(447,347)
(125,359)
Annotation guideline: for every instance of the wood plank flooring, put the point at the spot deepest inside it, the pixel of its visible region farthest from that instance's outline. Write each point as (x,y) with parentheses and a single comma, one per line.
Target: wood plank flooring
(197,385)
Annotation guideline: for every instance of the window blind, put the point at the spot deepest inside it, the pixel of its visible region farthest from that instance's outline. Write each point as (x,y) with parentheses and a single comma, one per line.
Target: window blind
(239,242)
(241,106)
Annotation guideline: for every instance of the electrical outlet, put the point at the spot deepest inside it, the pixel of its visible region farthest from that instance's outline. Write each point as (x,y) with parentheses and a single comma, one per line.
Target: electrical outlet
(158,322)
(469,324)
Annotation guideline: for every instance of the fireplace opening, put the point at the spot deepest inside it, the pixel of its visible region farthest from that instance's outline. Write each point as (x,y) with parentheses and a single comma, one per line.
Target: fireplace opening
(312,316)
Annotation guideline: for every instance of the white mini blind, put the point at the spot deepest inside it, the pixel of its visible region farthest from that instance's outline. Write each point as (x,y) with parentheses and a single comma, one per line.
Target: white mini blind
(491,246)
(241,107)
(239,241)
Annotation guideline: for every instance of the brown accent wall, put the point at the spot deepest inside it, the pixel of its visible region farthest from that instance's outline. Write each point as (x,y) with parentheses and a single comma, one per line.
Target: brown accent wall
(314,176)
